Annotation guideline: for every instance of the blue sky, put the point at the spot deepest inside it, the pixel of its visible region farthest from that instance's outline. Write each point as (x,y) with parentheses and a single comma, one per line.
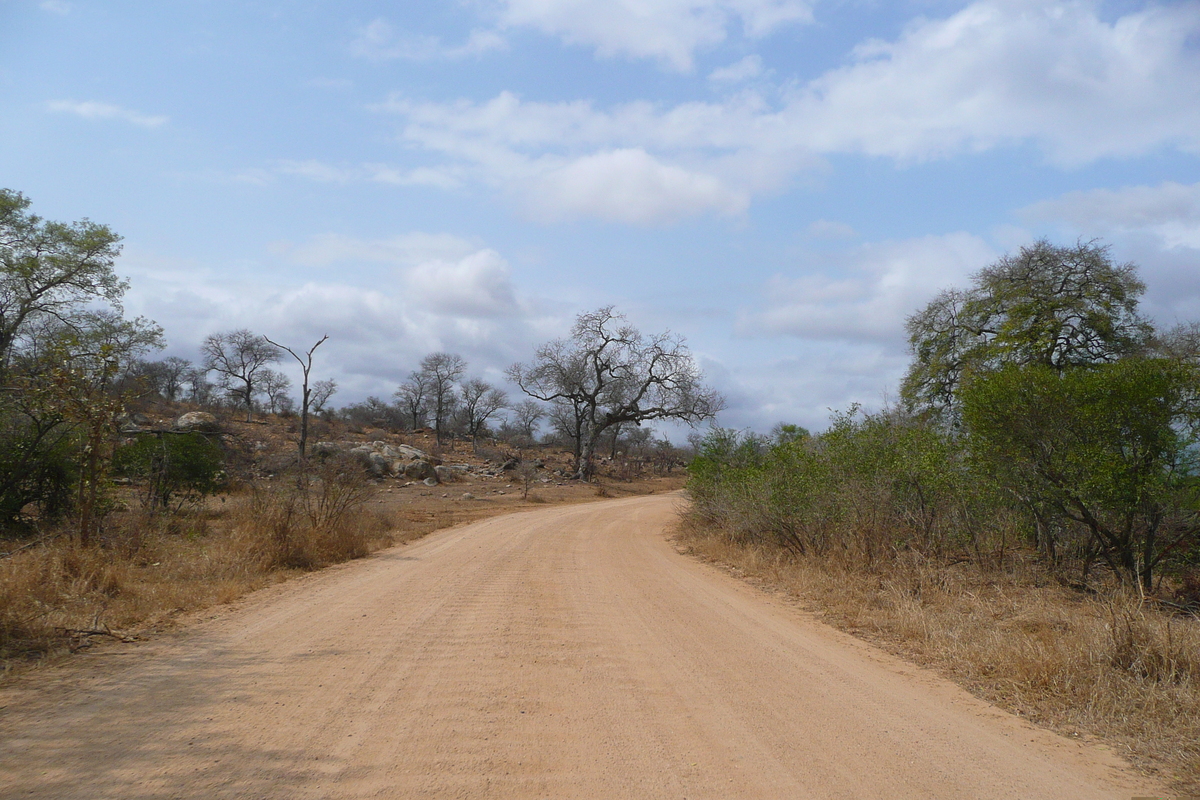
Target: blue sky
(780,181)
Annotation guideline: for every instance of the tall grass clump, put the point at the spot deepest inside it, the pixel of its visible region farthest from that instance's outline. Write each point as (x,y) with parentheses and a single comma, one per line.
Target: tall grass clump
(314,520)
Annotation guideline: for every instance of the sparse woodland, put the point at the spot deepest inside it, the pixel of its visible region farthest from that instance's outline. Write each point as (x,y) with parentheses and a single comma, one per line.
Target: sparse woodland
(133,488)
(1027,517)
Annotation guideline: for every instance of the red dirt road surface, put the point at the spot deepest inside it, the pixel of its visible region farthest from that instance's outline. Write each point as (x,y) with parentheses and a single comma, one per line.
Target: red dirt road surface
(568,652)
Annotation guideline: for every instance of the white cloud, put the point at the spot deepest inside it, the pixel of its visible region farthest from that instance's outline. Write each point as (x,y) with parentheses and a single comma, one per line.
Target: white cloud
(478,286)
(322,172)
(630,186)
(440,272)
(1016,70)
(56,7)
(1169,211)
(379,41)
(749,67)
(872,295)
(92,110)
(670,31)
(445,294)
(994,74)
(632,164)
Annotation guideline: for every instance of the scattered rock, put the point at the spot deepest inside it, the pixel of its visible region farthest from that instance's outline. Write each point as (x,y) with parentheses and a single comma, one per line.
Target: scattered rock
(468,496)
(430,482)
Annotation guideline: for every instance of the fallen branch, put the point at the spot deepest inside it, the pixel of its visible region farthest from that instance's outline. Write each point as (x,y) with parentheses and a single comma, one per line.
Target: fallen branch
(105,631)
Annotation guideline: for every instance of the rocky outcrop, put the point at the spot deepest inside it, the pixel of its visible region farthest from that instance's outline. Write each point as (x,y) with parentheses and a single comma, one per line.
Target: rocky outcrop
(383,460)
(200,421)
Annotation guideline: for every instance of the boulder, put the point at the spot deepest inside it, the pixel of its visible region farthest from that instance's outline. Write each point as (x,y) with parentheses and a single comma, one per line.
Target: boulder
(431,481)
(196,421)
(326,449)
(378,465)
(421,470)
(445,474)
(410,452)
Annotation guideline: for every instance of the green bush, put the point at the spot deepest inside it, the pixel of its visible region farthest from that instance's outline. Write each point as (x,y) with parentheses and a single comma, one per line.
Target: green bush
(870,487)
(39,469)
(173,465)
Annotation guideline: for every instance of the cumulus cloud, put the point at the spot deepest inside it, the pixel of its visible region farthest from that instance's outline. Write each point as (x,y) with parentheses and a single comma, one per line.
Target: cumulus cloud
(90,109)
(670,31)
(1169,211)
(1016,70)
(442,293)
(629,185)
(994,74)
(477,286)
(380,41)
(872,294)
(632,164)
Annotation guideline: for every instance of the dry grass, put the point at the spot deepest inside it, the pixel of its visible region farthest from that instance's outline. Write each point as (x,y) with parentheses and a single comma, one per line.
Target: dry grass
(57,596)
(1111,667)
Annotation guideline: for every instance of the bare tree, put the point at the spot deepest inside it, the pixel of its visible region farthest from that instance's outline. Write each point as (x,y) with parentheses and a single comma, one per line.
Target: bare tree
(479,402)
(239,358)
(274,385)
(442,371)
(526,416)
(174,370)
(413,397)
(610,373)
(320,394)
(200,388)
(305,390)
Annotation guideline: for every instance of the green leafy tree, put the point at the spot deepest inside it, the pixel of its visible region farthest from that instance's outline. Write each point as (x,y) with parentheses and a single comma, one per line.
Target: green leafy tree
(1060,307)
(1110,448)
(50,271)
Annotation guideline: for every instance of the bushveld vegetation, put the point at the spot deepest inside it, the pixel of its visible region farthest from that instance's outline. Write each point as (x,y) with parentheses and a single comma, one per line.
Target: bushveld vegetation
(109,519)
(1027,517)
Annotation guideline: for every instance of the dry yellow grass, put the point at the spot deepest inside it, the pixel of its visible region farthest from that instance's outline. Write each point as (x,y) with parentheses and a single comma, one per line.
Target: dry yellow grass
(59,596)
(1111,668)
(56,596)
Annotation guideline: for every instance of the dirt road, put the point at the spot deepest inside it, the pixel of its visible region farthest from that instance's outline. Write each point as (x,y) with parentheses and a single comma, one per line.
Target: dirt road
(563,653)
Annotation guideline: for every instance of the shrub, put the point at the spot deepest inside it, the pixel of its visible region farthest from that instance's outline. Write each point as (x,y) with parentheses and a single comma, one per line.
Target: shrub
(182,466)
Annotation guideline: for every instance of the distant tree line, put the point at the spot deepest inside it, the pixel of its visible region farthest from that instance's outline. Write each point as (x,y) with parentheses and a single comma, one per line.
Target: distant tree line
(72,363)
